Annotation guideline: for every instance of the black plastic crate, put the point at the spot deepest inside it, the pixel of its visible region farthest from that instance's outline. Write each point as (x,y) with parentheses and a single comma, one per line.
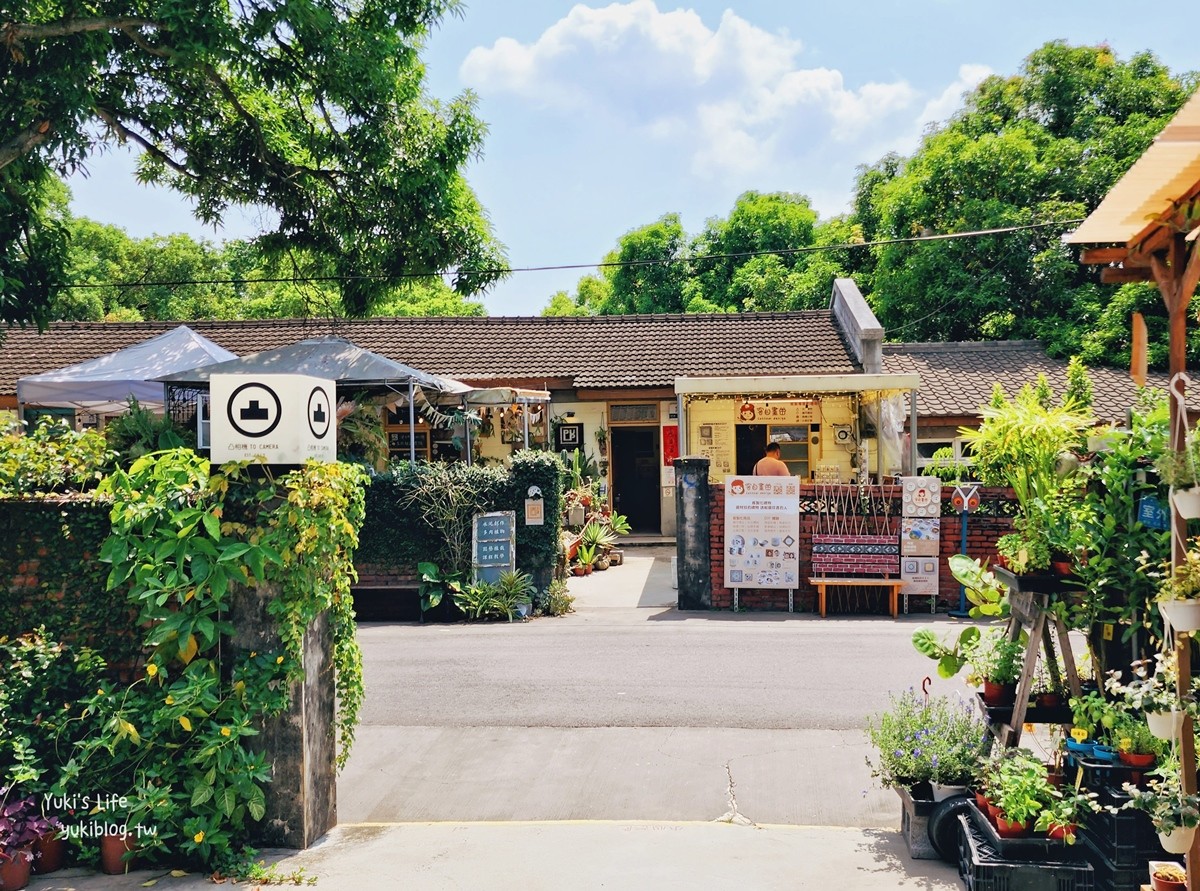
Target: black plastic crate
(1100,776)
(1111,876)
(982,869)
(1031,847)
(1126,838)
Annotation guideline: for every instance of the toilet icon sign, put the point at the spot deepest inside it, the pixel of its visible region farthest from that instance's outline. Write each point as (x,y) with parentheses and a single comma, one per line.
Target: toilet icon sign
(254,410)
(319,414)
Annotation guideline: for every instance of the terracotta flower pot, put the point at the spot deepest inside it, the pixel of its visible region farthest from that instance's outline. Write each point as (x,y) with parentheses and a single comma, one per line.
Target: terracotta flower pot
(14,872)
(113,848)
(49,853)
(981,802)
(1161,883)
(993,812)
(999,694)
(1061,833)
(1010,829)
(1134,760)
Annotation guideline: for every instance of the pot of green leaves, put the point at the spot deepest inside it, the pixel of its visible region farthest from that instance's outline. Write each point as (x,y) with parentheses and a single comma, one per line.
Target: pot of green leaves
(586,558)
(1174,813)
(1178,470)
(1152,690)
(1179,591)
(1022,793)
(1094,715)
(997,661)
(1137,747)
(1067,811)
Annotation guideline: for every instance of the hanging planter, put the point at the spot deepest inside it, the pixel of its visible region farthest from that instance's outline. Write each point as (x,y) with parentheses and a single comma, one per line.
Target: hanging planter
(1178,841)
(1187,502)
(1165,725)
(1183,615)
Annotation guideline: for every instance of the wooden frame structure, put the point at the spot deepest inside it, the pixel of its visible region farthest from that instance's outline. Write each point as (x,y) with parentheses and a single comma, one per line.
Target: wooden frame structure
(1149,224)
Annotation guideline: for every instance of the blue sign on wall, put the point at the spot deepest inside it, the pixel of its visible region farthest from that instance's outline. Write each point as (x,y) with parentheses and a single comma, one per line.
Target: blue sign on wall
(1152,513)
(494,544)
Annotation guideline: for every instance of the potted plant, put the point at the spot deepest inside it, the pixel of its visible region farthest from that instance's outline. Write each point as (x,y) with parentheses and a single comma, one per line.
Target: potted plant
(997,662)
(1065,813)
(1022,793)
(1173,813)
(924,741)
(21,824)
(1167,876)
(602,440)
(586,557)
(1152,690)
(1095,715)
(1179,590)
(1179,471)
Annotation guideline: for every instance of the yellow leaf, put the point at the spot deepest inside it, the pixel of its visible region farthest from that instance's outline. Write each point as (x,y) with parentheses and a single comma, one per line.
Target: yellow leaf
(188,649)
(150,883)
(178,873)
(185,723)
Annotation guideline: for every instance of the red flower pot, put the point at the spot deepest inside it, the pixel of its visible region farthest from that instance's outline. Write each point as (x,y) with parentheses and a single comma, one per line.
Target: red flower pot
(999,694)
(1008,829)
(14,872)
(1060,833)
(981,802)
(993,813)
(49,853)
(112,854)
(1139,761)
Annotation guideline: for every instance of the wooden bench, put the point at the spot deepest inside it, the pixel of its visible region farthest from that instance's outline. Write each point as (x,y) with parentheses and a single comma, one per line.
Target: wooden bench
(857,560)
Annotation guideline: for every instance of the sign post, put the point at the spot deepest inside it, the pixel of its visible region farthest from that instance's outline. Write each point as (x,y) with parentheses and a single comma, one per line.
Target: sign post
(494,545)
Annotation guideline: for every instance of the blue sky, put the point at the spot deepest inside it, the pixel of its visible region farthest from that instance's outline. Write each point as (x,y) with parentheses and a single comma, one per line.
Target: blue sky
(604,117)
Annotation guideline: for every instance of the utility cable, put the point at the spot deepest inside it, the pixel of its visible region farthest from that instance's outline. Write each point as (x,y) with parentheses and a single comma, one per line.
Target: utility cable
(509,270)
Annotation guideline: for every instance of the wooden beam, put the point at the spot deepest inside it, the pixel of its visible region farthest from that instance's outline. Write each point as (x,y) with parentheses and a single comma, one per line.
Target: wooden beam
(1119,275)
(1104,255)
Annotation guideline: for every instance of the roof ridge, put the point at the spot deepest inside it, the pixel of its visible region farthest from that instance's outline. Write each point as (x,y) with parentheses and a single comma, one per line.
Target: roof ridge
(966,346)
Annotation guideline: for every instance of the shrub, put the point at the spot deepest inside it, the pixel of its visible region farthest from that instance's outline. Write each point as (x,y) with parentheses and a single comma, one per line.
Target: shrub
(926,740)
(51,458)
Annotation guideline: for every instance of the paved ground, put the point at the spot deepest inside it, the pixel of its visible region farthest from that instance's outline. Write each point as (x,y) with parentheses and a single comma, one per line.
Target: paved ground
(605,748)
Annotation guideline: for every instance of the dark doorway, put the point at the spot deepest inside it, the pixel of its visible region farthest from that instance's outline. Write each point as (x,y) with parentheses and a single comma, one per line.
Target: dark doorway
(635,476)
(751,443)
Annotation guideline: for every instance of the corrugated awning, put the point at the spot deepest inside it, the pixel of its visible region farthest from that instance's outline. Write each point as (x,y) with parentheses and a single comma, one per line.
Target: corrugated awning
(1168,172)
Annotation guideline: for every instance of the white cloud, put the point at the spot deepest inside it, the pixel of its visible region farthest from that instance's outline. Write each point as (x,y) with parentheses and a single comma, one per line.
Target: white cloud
(730,101)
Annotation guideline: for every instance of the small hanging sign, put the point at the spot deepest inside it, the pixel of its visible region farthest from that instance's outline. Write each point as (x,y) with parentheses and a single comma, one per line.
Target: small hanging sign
(1152,514)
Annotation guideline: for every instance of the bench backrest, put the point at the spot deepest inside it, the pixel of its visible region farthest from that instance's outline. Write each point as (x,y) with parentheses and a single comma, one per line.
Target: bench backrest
(865,555)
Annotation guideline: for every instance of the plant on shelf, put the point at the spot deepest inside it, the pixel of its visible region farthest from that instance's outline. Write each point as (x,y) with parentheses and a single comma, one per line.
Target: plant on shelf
(1067,810)
(987,594)
(1137,745)
(1174,813)
(1179,589)
(926,740)
(996,664)
(1166,876)
(1093,713)
(1022,792)
(1179,469)
(1025,550)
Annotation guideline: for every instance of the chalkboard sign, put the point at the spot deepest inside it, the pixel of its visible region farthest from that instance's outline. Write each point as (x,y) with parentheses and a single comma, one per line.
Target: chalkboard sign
(494,544)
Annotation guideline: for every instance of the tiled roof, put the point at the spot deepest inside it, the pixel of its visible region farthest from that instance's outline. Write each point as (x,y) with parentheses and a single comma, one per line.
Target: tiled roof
(957,378)
(592,351)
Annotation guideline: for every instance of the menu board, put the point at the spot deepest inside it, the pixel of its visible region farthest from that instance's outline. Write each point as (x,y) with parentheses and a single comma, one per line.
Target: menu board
(762,532)
(716,443)
(494,544)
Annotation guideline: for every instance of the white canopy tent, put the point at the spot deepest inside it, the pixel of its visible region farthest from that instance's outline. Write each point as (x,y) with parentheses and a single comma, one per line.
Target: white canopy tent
(106,384)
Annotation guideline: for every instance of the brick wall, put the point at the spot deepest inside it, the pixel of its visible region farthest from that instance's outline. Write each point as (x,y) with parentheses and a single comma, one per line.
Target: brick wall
(982,533)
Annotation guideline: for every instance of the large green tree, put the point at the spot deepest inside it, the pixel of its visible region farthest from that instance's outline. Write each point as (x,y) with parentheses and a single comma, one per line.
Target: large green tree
(313,109)
(1044,145)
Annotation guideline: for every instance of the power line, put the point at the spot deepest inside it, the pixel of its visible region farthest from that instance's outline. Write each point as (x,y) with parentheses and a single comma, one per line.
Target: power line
(509,270)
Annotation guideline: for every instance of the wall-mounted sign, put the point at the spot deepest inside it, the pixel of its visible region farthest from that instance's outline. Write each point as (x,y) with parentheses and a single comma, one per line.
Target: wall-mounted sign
(282,418)
(762,532)
(921,496)
(568,437)
(791,412)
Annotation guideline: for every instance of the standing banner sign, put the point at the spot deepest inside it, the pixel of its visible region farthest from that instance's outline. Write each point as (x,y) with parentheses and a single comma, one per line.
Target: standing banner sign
(762,532)
(281,418)
(494,545)
(920,537)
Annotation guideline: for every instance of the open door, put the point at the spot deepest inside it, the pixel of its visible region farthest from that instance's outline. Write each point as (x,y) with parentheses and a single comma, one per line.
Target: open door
(633,452)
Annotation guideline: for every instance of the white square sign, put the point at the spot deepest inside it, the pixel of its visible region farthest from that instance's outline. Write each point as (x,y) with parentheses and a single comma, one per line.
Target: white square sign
(284,418)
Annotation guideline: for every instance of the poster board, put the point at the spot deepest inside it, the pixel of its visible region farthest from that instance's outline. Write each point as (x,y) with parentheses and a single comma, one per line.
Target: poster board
(762,532)
(715,441)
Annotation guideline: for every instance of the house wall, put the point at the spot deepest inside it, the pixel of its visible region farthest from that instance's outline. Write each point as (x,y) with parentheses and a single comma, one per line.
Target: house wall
(982,532)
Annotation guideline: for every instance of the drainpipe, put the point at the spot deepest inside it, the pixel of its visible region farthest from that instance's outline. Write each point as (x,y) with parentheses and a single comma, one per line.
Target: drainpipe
(912,432)
(412,425)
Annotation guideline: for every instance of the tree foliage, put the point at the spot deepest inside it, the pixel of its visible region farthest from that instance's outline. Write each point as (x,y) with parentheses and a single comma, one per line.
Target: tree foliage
(312,109)
(1044,145)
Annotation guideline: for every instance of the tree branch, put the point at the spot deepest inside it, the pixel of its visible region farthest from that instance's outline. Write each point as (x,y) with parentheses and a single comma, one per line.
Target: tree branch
(25,141)
(12,32)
